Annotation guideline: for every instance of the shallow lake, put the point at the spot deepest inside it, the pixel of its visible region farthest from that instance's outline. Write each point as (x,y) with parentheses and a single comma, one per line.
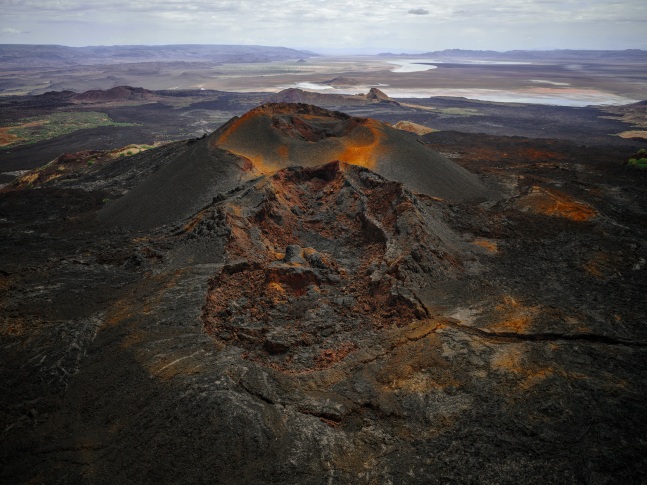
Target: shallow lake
(559,96)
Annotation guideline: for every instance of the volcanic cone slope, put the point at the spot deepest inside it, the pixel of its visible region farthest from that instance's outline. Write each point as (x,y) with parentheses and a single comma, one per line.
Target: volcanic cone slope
(276,136)
(194,174)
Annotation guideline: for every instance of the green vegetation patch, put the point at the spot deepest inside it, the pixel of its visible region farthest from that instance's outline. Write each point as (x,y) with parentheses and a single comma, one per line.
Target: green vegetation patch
(640,163)
(460,111)
(638,160)
(33,130)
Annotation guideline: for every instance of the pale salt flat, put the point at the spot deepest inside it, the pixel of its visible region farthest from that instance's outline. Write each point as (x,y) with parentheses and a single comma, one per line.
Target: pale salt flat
(412,65)
(557,96)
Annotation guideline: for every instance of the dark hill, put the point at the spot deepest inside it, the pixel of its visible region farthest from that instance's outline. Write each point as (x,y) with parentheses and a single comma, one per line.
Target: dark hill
(295,95)
(341,81)
(119,93)
(194,173)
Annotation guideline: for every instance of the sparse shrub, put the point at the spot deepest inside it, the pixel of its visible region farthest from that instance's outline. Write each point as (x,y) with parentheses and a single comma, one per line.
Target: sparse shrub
(129,152)
(640,163)
(90,163)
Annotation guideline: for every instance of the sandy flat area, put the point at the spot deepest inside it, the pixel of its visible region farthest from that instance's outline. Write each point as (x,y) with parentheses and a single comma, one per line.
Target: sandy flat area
(565,83)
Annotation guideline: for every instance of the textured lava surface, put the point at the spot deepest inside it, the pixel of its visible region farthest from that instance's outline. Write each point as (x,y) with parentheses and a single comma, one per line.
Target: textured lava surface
(234,309)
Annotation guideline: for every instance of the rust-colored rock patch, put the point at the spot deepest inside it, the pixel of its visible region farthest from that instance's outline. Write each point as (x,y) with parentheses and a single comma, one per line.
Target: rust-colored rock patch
(322,256)
(553,203)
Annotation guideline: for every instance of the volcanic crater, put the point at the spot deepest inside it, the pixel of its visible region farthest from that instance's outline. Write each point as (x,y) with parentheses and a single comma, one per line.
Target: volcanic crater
(316,257)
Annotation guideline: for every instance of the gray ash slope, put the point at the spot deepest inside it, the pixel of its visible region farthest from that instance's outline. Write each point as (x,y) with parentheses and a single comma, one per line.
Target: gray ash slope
(325,324)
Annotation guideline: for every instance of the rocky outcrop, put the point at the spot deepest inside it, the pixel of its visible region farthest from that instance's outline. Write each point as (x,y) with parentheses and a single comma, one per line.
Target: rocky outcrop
(377,96)
(316,257)
(413,127)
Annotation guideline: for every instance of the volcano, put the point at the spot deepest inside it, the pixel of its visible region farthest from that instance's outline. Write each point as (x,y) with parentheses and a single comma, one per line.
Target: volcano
(276,136)
(308,297)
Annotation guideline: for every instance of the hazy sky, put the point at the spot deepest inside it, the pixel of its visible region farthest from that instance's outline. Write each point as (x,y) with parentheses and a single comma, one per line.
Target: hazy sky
(328,25)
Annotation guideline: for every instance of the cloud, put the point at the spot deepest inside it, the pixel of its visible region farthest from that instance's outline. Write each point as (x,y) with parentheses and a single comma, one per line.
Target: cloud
(328,23)
(8,31)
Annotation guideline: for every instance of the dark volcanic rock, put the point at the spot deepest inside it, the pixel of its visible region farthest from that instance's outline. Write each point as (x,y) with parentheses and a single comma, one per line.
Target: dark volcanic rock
(351,261)
(324,324)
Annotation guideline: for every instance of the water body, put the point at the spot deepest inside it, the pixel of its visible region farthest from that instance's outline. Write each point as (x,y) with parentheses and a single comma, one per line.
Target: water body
(546,81)
(315,87)
(327,88)
(574,97)
(554,95)
(412,65)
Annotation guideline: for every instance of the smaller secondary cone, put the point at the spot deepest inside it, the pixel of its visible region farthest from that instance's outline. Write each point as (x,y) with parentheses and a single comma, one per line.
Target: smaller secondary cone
(277,136)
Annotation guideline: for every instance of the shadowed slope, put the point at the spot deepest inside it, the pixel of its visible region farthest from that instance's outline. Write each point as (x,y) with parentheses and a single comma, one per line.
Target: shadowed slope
(183,186)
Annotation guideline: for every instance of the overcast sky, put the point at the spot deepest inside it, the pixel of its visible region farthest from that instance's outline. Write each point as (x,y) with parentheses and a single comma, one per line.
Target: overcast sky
(330,25)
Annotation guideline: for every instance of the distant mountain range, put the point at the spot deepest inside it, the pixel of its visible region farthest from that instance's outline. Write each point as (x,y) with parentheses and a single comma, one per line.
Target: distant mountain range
(25,56)
(559,54)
